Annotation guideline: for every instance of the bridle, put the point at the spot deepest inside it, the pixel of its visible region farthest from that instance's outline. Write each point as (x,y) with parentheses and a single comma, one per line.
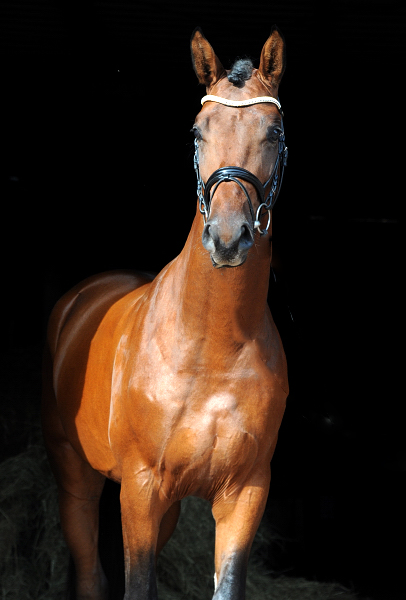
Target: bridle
(204,193)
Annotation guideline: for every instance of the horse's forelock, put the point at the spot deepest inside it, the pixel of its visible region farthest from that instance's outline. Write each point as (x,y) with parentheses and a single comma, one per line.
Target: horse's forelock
(240,71)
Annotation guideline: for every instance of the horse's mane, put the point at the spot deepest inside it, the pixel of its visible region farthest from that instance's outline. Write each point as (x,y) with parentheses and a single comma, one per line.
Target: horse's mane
(240,71)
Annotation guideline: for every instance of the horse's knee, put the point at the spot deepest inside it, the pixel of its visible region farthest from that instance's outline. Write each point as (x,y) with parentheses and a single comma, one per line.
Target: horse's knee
(141,513)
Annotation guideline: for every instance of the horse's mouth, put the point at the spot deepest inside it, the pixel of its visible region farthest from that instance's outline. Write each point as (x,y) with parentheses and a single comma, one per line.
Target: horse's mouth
(228,264)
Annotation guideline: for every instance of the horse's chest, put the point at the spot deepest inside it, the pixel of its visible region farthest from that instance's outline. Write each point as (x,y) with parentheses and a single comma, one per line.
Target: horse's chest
(196,434)
(207,448)
(193,428)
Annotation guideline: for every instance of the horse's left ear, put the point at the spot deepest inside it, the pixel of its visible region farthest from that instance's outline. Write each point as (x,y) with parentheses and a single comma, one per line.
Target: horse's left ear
(207,66)
(273,58)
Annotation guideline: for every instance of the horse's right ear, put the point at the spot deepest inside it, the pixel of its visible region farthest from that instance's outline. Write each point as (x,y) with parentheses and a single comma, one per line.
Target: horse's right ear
(207,66)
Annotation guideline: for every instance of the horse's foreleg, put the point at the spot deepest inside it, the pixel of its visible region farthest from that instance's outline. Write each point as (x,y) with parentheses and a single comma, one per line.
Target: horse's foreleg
(237,519)
(141,514)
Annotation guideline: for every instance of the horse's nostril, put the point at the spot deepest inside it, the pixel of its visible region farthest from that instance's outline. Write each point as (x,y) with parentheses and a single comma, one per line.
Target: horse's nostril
(246,238)
(208,238)
(225,241)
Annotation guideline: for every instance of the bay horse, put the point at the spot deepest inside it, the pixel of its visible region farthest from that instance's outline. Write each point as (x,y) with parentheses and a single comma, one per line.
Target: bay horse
(176,385)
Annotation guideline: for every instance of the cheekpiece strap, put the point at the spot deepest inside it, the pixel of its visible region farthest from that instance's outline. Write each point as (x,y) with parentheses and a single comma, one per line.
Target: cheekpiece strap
(237,103)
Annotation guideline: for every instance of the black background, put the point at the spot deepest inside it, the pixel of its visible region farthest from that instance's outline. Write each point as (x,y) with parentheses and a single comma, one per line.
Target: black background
(97,173)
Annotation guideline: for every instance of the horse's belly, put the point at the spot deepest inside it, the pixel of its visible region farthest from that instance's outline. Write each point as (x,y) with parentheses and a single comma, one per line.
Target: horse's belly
(84,346)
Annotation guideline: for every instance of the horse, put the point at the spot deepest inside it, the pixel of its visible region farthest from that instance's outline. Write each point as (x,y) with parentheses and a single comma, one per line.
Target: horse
(176,385)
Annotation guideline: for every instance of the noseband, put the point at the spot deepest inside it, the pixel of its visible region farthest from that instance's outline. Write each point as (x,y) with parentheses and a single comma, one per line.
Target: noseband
(234,174)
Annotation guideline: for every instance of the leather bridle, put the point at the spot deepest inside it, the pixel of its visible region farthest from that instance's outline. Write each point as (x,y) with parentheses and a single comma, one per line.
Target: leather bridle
(235,174)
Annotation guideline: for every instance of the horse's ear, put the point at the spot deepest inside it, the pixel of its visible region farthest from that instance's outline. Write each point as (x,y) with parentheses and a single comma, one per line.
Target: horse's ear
(273,58)
(207,66)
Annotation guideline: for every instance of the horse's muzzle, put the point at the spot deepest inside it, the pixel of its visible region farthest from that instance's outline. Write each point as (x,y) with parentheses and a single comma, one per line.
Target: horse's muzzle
(228,247)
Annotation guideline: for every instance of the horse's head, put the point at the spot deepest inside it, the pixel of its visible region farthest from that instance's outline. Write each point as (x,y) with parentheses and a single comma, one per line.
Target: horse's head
(240,149)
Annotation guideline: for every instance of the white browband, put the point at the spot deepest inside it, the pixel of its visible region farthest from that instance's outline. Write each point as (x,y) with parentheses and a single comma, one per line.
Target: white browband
(236,103)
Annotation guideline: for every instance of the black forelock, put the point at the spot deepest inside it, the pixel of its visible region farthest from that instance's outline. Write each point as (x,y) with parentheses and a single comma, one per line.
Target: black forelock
(240,71)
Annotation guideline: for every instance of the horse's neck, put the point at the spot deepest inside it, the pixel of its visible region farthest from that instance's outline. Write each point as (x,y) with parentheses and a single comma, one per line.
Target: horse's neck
(225,306)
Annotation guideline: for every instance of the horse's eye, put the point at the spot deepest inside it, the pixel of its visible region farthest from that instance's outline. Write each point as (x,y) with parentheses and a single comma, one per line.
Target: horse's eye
(196,133)
(273,134)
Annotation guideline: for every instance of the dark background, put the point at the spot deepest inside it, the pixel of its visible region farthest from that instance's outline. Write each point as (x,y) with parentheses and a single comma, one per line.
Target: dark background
(97,173)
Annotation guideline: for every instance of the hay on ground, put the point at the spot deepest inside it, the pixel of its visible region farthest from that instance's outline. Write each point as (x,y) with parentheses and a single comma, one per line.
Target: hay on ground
(33,555)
